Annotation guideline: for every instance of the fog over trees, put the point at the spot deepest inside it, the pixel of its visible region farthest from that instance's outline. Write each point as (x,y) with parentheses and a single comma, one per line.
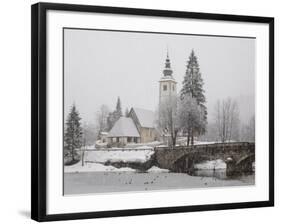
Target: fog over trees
(184,115)
(248,130)
(168,118)
(227,120)
(102,65)
(227,125)
(115,115)
(102,117)
(90,133)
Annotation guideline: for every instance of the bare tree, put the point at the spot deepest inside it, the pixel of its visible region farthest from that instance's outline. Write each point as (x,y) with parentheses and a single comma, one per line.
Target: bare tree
(102,116)
(168,121)
(234,121)
(248,131)
(191,117)
(227,119)
(90,133)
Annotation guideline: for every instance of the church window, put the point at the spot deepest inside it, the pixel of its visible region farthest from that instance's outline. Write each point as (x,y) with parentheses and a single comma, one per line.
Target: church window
(165,87)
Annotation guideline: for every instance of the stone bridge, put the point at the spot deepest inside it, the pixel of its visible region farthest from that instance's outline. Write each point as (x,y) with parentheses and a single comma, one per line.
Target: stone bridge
(238,157)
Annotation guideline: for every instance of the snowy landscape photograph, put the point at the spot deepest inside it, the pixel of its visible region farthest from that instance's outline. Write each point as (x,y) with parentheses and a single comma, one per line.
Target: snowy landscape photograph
(148,111)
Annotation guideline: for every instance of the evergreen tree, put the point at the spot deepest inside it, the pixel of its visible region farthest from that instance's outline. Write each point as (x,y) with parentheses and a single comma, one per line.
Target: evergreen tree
(193,87)
(73,133)
(115,115)
(110,121)
(118,110)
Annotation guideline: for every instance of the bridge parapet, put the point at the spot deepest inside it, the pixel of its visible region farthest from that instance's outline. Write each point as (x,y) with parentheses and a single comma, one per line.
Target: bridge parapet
(182,158)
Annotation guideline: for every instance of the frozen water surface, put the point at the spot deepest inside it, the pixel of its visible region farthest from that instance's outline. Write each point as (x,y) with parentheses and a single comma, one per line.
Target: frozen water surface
(102,182)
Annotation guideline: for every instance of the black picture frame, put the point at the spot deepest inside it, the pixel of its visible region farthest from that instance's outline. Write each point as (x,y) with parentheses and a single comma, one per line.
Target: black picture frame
(39,108)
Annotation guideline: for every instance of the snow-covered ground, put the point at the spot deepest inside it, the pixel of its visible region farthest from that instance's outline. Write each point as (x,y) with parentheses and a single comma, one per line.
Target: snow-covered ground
(94,159)
(209,165)
(156,169)
(93,167)
(181,141)
(99,144)
(137,145)
(203,142)
(103,156)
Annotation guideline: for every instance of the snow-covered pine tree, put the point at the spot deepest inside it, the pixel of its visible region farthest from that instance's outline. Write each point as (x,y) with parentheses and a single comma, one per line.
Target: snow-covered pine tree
(115,115)
(193,86)
(73,134)
(189,115)
(118,109)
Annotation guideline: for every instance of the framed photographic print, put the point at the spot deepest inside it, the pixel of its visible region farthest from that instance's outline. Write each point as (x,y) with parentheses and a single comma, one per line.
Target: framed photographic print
(140,111)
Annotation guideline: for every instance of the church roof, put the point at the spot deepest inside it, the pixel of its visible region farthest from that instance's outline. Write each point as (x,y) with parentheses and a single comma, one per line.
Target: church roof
(167,78)
(146,117)
(167,70)
(124,127)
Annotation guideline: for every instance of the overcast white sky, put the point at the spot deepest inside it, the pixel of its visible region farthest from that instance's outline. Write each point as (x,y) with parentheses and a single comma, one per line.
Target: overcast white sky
(102,65)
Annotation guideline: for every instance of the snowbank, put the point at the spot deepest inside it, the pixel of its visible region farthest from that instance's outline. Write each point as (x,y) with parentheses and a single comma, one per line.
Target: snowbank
(136,145)
(140,156)
(99,144)
(91,147)
(208,165)
(156,169)
(145,147)
(204,142)
(94,167)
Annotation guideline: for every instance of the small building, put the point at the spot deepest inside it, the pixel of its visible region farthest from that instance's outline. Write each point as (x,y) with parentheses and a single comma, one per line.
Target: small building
(138,127)
(103,136)
(145,123)
(124,131)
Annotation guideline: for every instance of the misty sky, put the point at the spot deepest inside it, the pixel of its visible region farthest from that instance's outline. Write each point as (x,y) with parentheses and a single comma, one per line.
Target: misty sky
(102,65)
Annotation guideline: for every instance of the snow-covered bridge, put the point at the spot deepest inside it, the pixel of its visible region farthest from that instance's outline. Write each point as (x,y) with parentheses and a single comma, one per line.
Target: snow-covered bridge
(238,156)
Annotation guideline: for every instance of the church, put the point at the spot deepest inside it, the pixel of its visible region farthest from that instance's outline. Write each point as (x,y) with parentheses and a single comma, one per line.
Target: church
(140,125)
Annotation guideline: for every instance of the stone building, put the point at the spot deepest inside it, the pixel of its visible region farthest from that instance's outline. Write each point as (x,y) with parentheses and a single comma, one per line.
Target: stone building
(138,127)
(145,123)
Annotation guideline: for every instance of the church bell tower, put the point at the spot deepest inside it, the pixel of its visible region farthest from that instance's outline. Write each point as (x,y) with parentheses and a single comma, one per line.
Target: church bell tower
(167,83)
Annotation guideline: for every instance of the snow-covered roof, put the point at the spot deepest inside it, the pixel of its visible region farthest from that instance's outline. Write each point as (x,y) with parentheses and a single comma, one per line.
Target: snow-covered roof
(104,133)
(124,127)
(145,117)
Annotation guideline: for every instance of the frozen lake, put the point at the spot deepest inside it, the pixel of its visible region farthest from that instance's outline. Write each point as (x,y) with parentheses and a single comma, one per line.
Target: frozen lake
(104,182)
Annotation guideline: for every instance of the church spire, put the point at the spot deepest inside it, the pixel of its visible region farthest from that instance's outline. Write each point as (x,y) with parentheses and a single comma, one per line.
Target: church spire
(167,71)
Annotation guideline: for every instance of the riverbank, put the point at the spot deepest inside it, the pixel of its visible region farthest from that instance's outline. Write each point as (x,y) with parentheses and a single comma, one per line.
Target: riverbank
(105,182)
